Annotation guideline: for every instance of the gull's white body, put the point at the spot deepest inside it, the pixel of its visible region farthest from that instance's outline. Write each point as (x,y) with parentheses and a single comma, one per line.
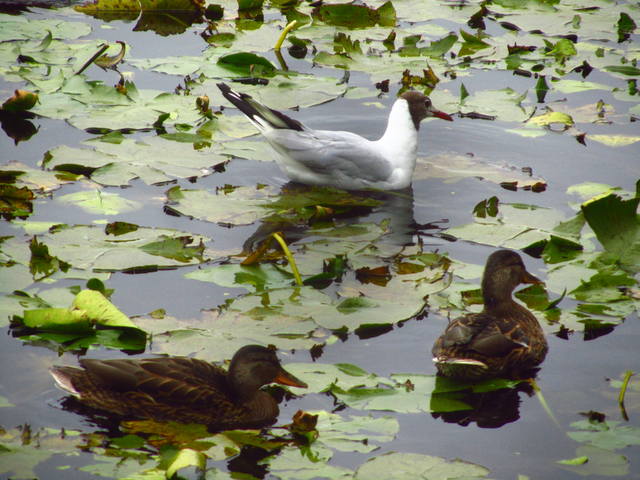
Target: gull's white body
(346,160)
(341,159)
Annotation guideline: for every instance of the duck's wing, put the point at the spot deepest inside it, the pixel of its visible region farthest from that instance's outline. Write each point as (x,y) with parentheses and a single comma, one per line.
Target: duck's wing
(326,152)
(176,378)
(485,334)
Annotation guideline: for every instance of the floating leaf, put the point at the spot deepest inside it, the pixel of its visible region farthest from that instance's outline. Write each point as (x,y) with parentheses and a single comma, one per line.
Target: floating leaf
(355,16)
(471,44)
(601,462)
(21,101)
(76,326)
(550,118)
(623,69)
(407,466)
(90,248)
(247,64)
(615,140)
(610,435)
(617,225)
(186,457)
(15,202)
(100,202)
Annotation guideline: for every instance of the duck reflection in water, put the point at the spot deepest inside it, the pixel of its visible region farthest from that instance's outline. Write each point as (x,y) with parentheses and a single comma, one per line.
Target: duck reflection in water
(182,389)
(487,409)
(504,340)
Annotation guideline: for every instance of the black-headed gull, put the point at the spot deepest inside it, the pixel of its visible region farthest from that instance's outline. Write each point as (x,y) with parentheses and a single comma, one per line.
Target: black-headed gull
(343,159)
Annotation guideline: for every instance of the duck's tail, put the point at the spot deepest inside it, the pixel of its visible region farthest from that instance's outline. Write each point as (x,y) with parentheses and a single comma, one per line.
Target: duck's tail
(63,377)
(264,118)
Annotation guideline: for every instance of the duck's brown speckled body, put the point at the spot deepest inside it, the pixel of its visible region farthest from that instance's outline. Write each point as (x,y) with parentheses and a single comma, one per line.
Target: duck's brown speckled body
(502,340)
(182,389)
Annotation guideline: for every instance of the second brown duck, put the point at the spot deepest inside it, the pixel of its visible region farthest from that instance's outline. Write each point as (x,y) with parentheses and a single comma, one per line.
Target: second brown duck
(182,389)
(502,340)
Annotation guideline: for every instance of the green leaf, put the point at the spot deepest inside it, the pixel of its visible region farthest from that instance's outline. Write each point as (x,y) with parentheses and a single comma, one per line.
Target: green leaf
(91,248)
(606,435)
(541,88)
(471,44)
(438,48)
(15,202)
(550,118)
(617,226)
(386,14)
(575,461)
(601,463)
(176,248)
(411,466)
(186,457)
(251,277)
(100,202)
(615,140)
(355,16)
(562,50)
(94,306)
(604,287)
(625,26)
(41,262)
(623,69)
(247,64)
(76,327)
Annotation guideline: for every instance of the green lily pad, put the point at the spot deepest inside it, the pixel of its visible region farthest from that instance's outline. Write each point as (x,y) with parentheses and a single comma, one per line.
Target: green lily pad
(100,202)
(76,326)
(414,465)
(15,202)
(600,462)
(610,435)
(615,140)
(247,64)
(153,160)
(90,248)
(452,168)
(355,16)
(617,225)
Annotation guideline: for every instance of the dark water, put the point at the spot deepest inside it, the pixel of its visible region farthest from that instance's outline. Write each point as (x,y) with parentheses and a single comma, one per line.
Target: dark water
(516,436)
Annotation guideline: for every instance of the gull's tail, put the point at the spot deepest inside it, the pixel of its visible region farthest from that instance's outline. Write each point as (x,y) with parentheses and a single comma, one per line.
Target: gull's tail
(262,117)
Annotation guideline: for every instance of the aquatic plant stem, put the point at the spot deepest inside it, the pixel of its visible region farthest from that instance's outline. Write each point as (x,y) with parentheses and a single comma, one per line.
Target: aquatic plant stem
(100,51)
(284,33)
(623,390)
(292,262)
(543,402)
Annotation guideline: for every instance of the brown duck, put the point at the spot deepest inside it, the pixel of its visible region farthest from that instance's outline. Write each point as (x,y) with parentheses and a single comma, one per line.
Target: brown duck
(182,389)
(505,339)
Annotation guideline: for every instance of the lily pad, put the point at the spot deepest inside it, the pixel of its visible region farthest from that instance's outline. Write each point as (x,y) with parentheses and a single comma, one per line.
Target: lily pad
(153,160)
(76,326)
(90,248)
(616,223)
(454,167)
(414,465)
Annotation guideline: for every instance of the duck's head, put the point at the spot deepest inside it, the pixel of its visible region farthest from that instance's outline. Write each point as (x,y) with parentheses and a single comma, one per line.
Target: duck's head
(503,272)
(254,366)
(420,107)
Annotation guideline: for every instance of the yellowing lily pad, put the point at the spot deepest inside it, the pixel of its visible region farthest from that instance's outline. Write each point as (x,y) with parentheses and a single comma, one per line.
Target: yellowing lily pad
(615,140)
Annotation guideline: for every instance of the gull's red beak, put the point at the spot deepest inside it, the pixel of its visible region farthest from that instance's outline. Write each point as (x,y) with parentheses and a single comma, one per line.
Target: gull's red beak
(442,115)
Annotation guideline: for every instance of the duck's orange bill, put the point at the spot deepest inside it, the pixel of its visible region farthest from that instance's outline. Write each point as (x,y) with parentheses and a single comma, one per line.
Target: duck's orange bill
(528,278)
(285,378)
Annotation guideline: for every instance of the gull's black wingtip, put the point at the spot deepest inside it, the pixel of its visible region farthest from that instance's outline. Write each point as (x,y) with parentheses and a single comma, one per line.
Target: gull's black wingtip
(224,88)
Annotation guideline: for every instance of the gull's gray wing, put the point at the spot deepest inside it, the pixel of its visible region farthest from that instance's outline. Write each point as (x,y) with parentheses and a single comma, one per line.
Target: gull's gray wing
(325,152)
